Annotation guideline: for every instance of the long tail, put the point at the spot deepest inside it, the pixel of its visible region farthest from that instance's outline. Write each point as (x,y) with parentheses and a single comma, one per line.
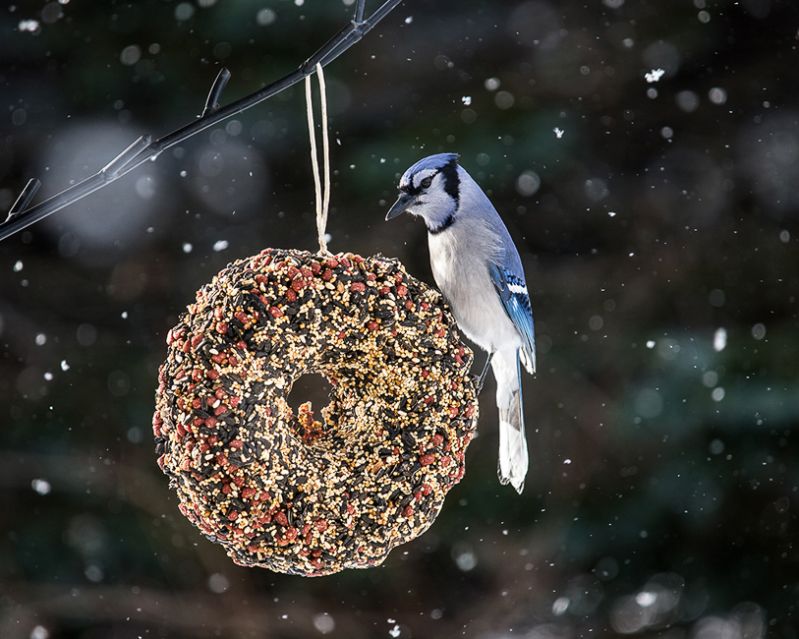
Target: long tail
(512,466)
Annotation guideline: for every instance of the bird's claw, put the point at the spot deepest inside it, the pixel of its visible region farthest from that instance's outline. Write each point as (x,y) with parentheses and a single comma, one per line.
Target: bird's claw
(479,380)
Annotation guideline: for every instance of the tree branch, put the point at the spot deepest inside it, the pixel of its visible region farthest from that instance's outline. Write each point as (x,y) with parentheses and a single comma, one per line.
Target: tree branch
(212,102)
(25,197)
(21,215)
(359,9)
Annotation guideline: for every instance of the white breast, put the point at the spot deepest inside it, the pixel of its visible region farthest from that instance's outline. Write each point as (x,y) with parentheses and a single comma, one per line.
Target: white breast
(459,257)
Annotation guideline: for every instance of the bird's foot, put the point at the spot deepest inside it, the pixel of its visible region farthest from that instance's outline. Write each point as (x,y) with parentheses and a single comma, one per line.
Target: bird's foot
(479,380)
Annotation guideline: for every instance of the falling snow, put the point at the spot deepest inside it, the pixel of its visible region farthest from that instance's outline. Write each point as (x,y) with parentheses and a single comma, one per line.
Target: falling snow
(41,486)
(654,75)
(324,623)
(720,340)
(39,632)
(265,17)
(29,26)
(645,598)
(560,606)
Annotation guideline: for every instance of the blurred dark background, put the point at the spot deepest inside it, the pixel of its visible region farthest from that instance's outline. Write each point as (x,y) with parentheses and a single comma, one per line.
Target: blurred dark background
(658,227)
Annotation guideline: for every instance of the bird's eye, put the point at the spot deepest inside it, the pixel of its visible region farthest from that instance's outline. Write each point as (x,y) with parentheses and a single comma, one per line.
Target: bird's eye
(427,182)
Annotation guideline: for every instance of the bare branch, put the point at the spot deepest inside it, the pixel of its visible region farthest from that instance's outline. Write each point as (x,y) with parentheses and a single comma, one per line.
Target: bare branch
(25,197)
(138,153)
(115,166)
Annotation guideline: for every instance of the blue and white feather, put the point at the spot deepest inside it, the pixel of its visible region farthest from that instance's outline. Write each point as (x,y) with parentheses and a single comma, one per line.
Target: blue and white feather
(513,294)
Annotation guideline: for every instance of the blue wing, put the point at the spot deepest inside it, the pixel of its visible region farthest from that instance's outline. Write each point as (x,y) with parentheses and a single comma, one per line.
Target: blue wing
(516,301)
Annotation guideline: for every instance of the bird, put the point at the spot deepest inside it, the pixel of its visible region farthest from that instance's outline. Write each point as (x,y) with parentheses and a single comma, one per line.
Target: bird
(478,269)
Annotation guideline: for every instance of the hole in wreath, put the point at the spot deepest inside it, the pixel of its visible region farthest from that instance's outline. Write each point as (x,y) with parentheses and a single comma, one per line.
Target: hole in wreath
(313,388)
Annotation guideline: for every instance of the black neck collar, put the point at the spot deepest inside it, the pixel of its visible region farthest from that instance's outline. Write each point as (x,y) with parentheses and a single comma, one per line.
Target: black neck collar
(443,226)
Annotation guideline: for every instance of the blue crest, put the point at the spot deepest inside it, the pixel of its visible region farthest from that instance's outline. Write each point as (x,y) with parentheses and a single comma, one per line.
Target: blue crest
(435,162)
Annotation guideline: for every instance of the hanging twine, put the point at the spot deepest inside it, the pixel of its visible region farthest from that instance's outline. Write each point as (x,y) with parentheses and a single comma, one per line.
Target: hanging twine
(322,197)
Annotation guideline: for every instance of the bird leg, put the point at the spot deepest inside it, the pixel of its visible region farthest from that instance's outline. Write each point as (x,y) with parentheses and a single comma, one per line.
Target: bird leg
(482,378)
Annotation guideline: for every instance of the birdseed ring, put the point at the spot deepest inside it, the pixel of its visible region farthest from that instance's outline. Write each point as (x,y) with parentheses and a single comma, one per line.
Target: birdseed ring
(279,489)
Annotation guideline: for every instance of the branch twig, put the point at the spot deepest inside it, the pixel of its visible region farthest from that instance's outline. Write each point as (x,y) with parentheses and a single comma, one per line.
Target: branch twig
(359,9)
(214,95)
(22,215)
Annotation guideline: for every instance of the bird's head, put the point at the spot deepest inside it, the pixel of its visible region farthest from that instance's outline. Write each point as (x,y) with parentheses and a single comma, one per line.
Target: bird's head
(430,189)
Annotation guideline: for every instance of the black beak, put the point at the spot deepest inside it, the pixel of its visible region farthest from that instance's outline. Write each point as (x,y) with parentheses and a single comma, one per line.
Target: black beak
(400,206)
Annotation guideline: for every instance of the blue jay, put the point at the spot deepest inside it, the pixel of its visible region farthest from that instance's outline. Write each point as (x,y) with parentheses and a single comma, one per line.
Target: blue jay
(477,268)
